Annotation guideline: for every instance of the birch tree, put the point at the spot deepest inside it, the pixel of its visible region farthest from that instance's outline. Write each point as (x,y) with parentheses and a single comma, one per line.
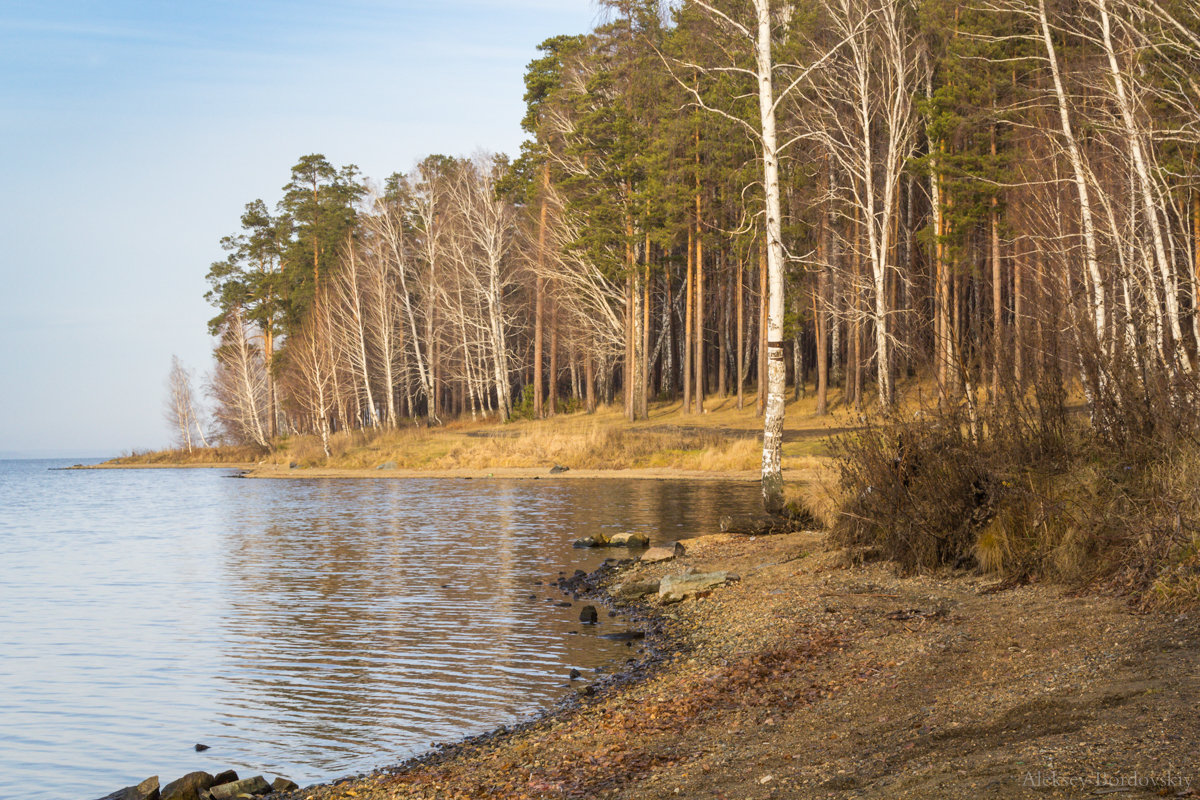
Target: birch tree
(483,239)
(754,30)
(862,115)
(180,408)
(349,318)
(239,383)
(310,356)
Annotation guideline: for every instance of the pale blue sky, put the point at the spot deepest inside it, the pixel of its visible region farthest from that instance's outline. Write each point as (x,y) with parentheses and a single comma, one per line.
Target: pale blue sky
(132,133)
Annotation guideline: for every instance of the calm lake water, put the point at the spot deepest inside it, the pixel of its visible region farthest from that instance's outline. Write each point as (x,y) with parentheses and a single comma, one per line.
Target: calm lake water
(302,628)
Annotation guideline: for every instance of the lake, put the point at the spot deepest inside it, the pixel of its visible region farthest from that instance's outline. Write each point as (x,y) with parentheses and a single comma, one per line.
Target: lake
(307,628)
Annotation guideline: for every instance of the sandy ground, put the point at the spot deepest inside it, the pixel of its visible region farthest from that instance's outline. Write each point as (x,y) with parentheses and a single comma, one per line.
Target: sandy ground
(811,679)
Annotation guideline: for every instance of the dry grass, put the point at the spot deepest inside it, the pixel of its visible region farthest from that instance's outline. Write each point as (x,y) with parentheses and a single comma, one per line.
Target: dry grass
(595,445)
(581,443)
(1040,499)
(724,439)
(200,456)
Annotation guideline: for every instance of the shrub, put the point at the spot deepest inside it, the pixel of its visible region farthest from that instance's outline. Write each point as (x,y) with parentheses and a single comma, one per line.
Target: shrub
(1031,493)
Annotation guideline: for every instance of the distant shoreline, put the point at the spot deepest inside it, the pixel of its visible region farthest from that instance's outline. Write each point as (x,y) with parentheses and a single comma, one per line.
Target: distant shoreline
(110,465)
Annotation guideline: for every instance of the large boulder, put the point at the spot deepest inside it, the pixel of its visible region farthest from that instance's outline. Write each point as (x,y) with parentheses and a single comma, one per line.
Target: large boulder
(188,787)
(146,790)
(227,791)
(677,588)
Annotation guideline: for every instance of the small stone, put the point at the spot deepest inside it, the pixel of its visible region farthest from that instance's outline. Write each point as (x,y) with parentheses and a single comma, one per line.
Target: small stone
(629,540)
(590,541)
(189,787)
(250,786)
(282,784)
(228,776)
(657,554)
(200,748)
(146,790)
(576,674)
(588,615)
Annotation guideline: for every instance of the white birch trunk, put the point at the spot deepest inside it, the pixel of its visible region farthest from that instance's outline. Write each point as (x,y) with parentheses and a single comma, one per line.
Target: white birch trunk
(1149,209)
(772,471)
(1098,302)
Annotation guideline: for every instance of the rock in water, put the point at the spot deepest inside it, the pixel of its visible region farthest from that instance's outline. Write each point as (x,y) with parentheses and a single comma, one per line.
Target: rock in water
(146,790)
(629,540)
(188,787)
(282,784)
(592,541)
(576,674)
(676,588)
(588,615)
(226,791)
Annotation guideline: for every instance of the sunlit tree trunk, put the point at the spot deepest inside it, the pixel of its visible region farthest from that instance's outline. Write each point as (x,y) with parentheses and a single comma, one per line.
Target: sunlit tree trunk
(1099,310)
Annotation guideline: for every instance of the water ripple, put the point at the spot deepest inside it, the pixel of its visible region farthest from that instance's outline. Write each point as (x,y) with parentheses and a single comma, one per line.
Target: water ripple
(302,628)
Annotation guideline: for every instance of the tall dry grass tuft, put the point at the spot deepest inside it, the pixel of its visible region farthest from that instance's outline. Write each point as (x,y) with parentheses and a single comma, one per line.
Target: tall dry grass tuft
(1026,495)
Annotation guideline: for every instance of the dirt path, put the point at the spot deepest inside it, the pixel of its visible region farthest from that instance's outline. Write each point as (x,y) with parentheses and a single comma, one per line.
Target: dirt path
(808,680)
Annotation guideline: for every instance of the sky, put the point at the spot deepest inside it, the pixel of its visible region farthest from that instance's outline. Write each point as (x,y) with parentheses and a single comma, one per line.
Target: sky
(133,133)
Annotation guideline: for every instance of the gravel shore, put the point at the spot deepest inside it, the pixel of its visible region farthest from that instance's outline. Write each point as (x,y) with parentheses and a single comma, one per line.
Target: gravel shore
(809,678)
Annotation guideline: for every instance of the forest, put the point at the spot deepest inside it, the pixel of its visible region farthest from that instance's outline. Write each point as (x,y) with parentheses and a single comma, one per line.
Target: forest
(996,202)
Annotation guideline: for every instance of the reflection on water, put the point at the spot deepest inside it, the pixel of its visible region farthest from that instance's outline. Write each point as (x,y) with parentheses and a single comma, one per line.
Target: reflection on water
(304,628)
